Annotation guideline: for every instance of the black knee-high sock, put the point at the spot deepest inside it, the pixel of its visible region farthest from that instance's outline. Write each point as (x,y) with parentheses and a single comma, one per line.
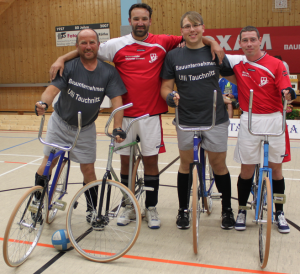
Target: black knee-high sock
(183,190)
(278,187)
(39,182)
(91,197)
(124,179)
(151,196)
(223,184)
(244,189)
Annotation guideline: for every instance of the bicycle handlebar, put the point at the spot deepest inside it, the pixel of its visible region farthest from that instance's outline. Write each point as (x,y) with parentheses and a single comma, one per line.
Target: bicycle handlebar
(130,124)
(57,146)
(202,128)
(265,134)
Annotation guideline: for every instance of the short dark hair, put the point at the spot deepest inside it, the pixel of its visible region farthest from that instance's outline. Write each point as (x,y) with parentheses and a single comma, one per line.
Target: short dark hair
(142,6)
(86,29)
(278,57)
(193,16)
(249,28)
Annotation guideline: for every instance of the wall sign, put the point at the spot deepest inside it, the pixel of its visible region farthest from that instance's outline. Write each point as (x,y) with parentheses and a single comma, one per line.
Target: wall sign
(66,35)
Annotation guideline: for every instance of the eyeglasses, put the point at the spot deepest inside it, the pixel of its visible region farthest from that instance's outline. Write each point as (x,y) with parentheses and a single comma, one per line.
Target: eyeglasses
(188,27)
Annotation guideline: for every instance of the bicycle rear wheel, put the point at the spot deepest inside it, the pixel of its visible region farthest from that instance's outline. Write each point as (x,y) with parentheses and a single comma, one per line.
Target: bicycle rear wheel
(196,210)
(265,215)
(209,181)
(102,240)
(21,237)
(59,190)
(138,183)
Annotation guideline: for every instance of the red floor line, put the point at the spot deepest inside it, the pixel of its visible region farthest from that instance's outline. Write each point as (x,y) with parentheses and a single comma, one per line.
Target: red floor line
(184,263)
(15,163)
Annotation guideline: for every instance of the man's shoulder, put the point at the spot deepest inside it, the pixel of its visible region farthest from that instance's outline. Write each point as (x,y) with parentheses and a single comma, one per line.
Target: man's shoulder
(162,37)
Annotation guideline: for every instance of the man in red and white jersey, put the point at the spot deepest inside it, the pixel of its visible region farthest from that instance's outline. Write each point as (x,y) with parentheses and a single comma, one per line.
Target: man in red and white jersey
(138,58)
(269,80)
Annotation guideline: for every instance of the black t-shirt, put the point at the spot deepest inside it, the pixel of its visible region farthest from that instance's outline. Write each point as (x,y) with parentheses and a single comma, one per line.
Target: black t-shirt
(84,90)
(196,76)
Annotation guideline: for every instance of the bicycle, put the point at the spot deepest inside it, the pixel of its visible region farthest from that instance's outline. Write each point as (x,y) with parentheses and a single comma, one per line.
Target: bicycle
(101,239)
(262,190)
(201,180)
(37,205)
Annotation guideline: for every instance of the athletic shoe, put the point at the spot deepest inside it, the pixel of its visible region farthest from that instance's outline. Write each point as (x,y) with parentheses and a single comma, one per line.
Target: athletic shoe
(227,219)
(152,217)
(281,222)
(183,220)
(240,223)
(127,215)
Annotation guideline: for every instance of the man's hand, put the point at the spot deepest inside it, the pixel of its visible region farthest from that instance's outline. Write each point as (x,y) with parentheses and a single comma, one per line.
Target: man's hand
(40,108)
(227,100)
(217,50)
(119,134)
(58,65)
(173,99)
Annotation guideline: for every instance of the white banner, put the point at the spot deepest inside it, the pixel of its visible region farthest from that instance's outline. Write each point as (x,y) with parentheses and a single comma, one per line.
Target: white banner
(293,128)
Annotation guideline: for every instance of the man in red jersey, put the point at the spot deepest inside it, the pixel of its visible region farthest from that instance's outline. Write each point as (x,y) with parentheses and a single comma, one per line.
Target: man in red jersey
(269,80)
(139,57)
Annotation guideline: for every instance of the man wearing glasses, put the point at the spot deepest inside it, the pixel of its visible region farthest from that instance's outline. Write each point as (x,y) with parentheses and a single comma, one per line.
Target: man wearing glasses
(196,75)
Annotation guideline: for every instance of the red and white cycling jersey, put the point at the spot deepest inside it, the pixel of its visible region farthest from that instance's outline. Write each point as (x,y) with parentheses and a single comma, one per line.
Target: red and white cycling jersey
(139,64)
(267,76)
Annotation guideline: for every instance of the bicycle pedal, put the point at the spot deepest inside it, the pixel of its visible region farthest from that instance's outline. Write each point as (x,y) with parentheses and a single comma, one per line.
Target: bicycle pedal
(260,221)
(245,208)
(148,188)
(60,205)
(279,198)
(58,190)
(33,208)
(215,195)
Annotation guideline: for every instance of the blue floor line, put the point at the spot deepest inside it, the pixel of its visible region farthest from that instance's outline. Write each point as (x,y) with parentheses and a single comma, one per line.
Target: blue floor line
(18,145)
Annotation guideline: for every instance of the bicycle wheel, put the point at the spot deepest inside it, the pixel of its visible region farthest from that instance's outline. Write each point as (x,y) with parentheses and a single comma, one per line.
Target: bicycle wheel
(265,215)
(102,240)
(21,237)
(59,190)
(209,182)
(138,183)
(195,209)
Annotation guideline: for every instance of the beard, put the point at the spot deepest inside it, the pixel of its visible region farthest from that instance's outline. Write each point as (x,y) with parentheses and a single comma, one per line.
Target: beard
(140,32)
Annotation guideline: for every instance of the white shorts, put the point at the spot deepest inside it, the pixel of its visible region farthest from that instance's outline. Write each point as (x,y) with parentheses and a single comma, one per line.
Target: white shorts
(150,134)
(248,147)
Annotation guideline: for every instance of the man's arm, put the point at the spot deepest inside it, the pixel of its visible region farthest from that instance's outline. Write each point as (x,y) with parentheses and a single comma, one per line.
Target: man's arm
(231,79)
(166,92)
(215,48)
(59,64)
(118,118)
(47,97)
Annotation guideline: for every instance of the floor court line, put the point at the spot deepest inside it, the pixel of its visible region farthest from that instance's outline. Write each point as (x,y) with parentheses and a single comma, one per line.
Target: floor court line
(157,260)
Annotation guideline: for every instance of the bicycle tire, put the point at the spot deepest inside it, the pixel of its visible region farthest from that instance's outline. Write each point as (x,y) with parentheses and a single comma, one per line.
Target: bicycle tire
(265,232)
(195,210)
(59,190)
(109,242)
(209,181)
(19,238)
(137,184)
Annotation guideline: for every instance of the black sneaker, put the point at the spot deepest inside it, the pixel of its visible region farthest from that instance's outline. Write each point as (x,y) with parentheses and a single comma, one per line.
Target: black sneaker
(228,221)
(183,220)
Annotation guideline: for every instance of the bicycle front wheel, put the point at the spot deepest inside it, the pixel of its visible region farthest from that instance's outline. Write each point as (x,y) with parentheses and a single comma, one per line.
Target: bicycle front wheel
(195,209)
(209,182)
(100,239)
(21,235)
(59,190)
(138,183)
(265,217)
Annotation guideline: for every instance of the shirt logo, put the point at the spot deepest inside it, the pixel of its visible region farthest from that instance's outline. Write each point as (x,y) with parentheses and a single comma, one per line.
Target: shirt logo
(246,74)
(263,81)
(153,57)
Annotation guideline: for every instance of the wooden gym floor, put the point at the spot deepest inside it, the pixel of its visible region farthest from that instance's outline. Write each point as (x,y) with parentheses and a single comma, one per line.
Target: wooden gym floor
(166,250)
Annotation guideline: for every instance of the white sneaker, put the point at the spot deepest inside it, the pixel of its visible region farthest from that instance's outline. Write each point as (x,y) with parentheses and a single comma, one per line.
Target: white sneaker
(152,217)
(127,215)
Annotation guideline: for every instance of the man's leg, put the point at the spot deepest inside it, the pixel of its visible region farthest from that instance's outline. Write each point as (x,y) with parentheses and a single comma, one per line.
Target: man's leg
(217,161)
(89,175)
(279,187)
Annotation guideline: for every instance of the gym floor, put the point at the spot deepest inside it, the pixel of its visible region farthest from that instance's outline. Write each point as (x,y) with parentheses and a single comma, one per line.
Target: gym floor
(166,250)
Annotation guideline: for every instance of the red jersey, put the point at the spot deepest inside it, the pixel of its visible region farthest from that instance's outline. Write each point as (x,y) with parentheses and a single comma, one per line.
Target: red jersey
(139,64)
(267,76)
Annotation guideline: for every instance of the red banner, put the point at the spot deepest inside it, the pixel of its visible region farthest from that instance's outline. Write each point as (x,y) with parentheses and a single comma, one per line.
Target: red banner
(283,41)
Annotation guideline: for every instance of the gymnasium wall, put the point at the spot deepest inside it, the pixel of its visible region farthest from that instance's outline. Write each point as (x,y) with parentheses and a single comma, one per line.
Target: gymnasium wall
(27,28)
